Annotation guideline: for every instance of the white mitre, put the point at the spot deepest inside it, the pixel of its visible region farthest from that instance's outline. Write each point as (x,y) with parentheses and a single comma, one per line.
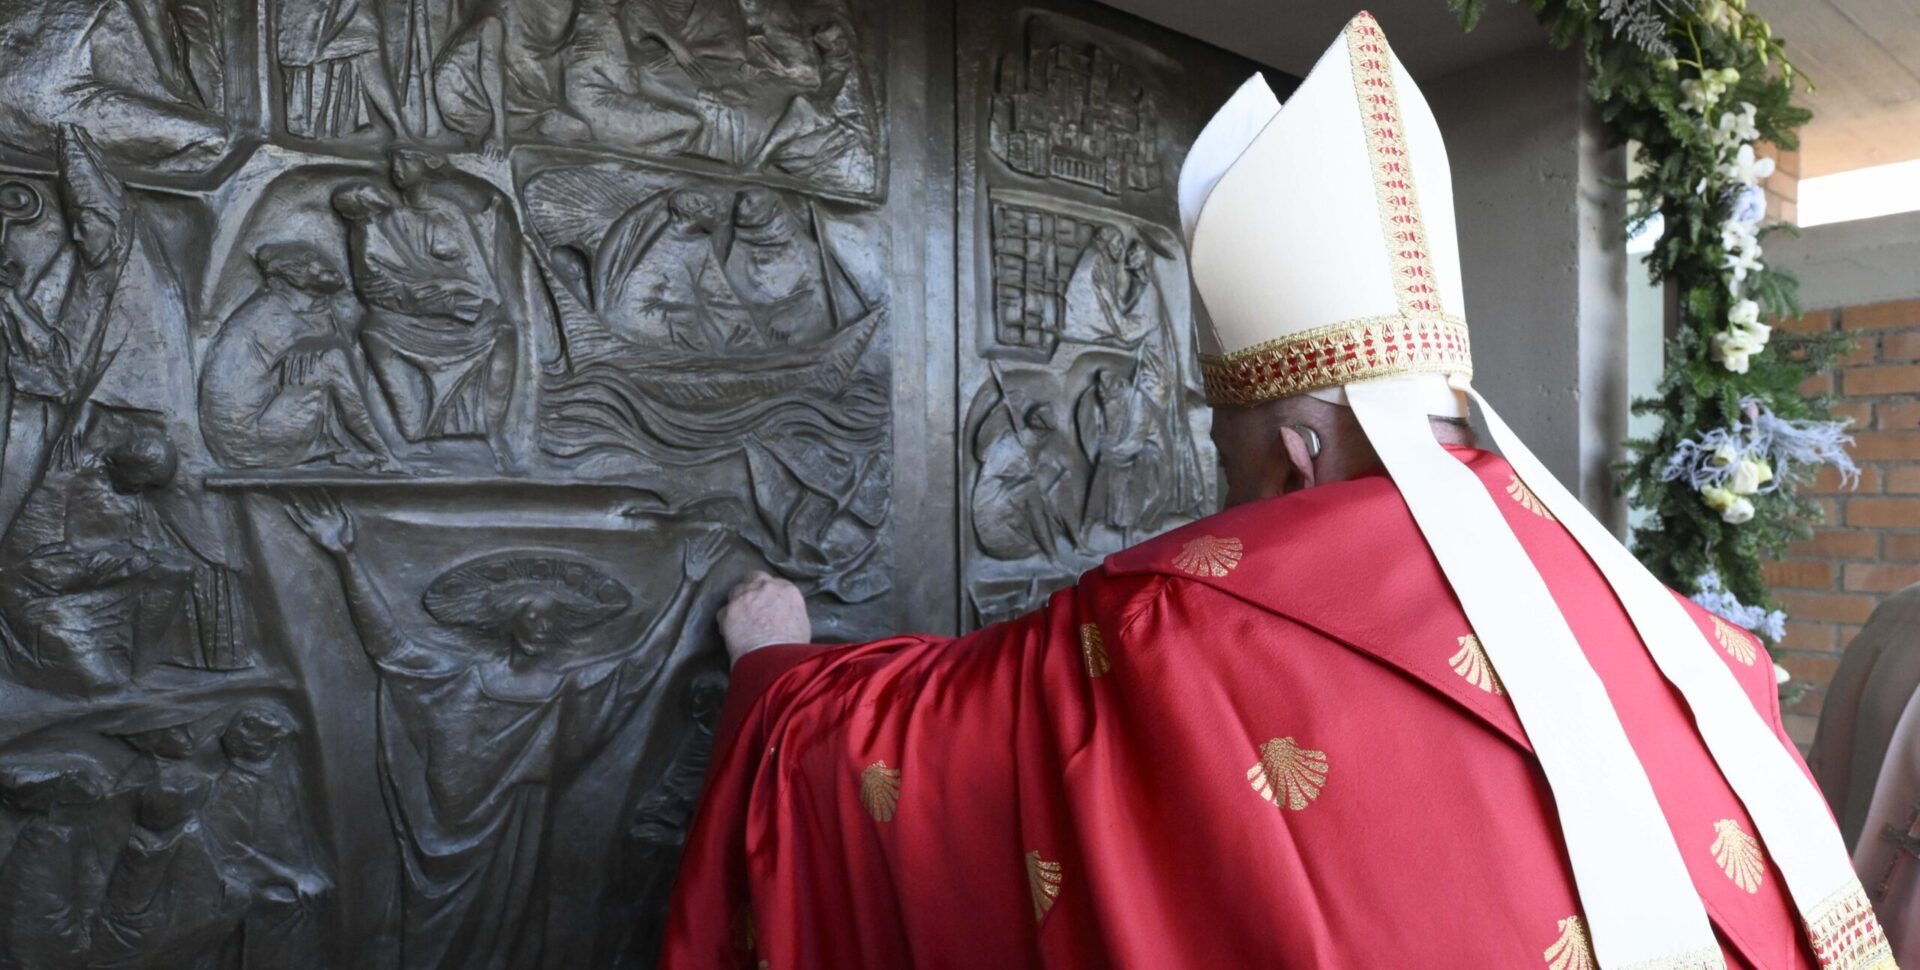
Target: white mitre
(1325,262)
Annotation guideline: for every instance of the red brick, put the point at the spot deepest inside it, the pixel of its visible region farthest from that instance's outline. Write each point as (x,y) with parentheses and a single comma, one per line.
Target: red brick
(1903,479)
(1884,513)
(1884,379)
(1865,350)
(1840,544)
(1846,633)
(1880,578)
(1812,668)
(1825,512)
(1903,546)
(1826,481)
(1895,415)
(1904,345)
(1818,384)
(1814,322)
(1813,637)
(1886,446)
(1799,574)
(1881,316)
(1860,412)
(1832,607)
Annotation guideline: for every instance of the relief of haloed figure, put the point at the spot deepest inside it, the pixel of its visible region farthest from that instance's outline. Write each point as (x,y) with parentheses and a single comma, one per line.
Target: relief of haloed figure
(485,721)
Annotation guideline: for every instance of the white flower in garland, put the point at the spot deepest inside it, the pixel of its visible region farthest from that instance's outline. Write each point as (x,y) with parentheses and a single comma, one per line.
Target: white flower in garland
(1734,349)
(1726,465)
(1745,168)
(1740,263)
(1718,14)
(1737,127)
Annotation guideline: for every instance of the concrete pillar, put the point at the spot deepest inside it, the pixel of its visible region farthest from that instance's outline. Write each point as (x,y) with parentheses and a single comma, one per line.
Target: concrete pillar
(1543,252)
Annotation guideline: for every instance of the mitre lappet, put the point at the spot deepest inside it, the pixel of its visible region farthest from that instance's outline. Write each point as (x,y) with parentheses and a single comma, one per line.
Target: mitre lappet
(1325,262)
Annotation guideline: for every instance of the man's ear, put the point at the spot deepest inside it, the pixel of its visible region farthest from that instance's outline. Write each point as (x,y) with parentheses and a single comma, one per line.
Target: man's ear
(1299,454)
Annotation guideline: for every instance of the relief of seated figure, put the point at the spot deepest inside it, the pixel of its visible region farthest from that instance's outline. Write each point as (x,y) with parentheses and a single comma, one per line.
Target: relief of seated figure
(97,579)
(283,383)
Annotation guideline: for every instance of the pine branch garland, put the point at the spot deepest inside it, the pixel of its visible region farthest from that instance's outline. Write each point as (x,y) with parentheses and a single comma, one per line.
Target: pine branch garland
(1696,85)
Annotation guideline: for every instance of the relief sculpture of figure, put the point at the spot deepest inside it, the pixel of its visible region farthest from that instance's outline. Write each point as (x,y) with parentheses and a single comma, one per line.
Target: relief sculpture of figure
(659,279)
(828,137)
(147,76)
(439,336)
(775,266)
(477,741)
(166,905)
(335,80)
(1023,500)
(52,866)
(621,100)
(283,383)
(264,841)
(96,580)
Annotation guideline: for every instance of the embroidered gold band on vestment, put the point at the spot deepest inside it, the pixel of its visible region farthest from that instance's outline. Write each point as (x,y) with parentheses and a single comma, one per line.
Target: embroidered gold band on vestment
(1395,194)
(1846,935)
(1698,960)
(1342,353)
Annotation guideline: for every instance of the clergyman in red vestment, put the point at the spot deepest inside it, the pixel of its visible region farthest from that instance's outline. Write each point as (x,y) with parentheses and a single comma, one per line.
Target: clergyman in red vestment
(1404,704)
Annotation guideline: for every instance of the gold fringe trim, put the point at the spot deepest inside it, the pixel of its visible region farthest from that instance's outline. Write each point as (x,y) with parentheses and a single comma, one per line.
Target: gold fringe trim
(1341,353)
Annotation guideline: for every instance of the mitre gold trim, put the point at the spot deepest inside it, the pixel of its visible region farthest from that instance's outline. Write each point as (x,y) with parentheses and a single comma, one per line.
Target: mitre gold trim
(1341,353)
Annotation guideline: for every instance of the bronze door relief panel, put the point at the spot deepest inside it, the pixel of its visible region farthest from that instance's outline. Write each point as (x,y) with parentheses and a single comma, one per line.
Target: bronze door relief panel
(391,390)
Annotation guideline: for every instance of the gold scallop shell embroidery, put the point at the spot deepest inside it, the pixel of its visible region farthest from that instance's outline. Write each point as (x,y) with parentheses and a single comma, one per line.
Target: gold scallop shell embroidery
(1471,663)
(1288,775)
(1738,855)
(1529,501)
(1209,556)
(1043,880)
(1093,650)
(880,790)
(1734,641)
(1572,951)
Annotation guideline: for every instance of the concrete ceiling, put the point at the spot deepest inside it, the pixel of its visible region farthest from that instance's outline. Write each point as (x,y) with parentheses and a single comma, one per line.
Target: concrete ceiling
(1291,34)
(1864,59)
(1864,55)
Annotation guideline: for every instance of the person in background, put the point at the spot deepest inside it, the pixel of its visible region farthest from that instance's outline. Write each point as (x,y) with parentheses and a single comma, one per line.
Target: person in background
(1866,757)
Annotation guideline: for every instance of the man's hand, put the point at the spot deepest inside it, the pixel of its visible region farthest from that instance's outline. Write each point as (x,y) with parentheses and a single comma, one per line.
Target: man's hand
(762,611)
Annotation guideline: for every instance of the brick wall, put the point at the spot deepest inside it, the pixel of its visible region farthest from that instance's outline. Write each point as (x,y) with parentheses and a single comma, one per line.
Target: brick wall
(1869,543)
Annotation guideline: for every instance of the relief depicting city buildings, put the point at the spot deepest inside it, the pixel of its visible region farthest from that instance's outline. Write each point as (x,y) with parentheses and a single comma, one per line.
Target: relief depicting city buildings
(1083,426)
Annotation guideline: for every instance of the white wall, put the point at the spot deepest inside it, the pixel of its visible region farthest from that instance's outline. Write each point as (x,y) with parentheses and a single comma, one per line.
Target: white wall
(1852,263)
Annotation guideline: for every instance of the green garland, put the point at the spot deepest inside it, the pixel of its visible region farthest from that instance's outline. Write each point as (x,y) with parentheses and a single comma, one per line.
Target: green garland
(1696,84)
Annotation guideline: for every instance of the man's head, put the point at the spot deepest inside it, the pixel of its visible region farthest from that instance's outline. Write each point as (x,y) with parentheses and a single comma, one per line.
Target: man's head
(300,266)
(1298,442)
(141,461)
(690,208)
(255,733)
(755,207)
(536,625)
(360,202)
(411,167)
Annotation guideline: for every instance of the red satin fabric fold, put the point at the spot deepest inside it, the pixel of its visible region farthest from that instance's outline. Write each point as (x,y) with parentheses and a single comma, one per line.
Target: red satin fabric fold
(1272,750)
